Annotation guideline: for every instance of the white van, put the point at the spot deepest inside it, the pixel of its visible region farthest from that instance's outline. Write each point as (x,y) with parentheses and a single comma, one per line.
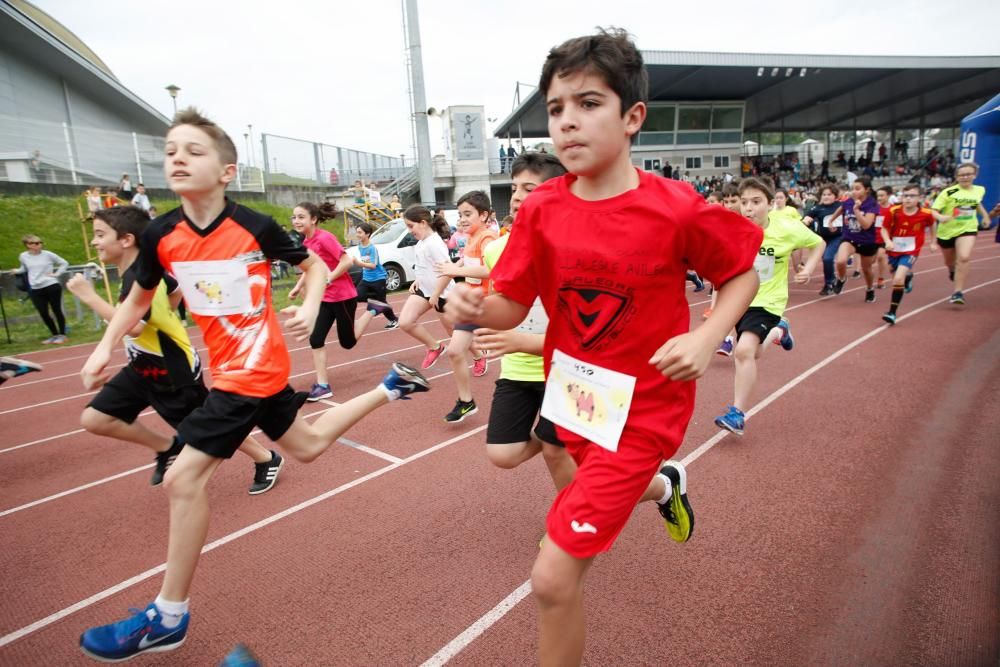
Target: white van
(394,243)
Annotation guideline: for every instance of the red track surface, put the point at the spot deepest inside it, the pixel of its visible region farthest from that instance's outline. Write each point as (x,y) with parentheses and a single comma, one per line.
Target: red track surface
(854,524)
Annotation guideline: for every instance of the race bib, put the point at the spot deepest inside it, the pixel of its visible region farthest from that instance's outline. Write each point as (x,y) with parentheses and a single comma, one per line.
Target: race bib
(473,261)
(764,266)
(878,221)
(588,400)
(904,244)
(214,287)
(830,223)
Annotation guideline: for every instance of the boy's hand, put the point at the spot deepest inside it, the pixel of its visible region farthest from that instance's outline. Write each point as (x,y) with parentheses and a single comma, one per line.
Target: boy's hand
(465,304)
(94,373)
(934,246)
(413,287)
(294,293)
(683,357)
(300,321)
(494,343)
(449,269)
(802,276)
(80,287)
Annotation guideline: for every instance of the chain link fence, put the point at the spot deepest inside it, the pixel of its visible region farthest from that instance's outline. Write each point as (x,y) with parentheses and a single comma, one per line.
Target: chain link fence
(289,161)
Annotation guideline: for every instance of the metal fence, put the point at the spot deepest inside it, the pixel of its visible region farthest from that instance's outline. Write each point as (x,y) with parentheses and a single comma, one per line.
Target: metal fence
(289,161)
(34,151)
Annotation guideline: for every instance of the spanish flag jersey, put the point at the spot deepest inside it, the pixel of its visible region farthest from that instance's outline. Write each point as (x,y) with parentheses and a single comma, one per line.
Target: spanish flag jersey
(225,277)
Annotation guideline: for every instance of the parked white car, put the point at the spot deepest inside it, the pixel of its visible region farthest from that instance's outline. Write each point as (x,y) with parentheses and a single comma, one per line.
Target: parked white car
(395,249)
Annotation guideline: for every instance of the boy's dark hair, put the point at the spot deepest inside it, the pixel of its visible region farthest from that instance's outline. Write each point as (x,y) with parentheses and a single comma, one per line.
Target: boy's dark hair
(609,54)
(418,213)
(731,189)
(717,194)
(366,228)
(886,189)
(124,220)
(223,144)
(477,199)
(911,186)
(322,213)
(545,165)
(760,183)
(832,187)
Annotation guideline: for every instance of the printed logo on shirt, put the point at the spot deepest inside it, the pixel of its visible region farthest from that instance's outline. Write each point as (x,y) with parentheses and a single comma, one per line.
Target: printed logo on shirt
(584,527)
(592,311)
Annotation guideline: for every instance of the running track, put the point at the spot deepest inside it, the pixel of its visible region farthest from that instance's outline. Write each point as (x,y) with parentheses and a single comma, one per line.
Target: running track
(854,524)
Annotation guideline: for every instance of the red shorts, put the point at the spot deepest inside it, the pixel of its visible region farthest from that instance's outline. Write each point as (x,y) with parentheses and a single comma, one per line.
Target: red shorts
(592,510)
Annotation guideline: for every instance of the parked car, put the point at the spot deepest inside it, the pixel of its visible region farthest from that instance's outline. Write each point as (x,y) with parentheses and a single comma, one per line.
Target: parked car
(394,243)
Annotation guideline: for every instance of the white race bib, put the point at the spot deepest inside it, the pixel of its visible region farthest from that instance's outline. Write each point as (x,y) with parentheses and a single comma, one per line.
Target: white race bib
(878,221)
(832,224)
(764,266)
(215,287)
(588,400)
(473,261)
(904,244)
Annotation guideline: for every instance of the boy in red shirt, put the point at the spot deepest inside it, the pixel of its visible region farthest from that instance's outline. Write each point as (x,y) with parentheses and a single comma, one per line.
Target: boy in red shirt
(618,355)
(219,254)
(903,232)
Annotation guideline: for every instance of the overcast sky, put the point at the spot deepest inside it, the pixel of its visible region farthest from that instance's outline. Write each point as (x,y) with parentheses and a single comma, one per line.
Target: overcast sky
(334,70)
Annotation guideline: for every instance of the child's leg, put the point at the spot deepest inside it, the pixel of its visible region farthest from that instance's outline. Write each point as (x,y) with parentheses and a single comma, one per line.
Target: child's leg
(828,256)
(745,360)
(511,455)
(186,483)
(413,309)
(305,441)
(458,353)
(963,255)
(868,270)
(561,465)
(557,583)
(344,315)
(883,265)
(256,451)
(845,250)
(99,423)
(361,324)
(317,340)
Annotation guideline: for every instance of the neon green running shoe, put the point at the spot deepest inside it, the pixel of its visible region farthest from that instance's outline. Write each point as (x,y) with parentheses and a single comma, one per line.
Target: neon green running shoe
(676,512)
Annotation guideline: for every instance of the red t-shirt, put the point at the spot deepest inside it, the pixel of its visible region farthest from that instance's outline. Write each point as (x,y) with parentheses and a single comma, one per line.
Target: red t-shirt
(225,276)
(900,225)
(326,245)
(611,275)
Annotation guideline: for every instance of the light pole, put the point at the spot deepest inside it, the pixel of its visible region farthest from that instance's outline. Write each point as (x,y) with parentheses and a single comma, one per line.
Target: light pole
(173,90)
(249,146)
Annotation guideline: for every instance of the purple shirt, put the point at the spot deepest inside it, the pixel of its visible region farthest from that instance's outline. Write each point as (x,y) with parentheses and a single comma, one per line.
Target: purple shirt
(853,233)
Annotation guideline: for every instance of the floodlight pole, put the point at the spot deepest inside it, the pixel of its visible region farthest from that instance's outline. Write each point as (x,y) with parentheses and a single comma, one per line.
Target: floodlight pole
(425,170)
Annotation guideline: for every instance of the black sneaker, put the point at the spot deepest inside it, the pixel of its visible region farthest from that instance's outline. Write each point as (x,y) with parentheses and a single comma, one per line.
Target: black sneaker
(164,460)
(266,474)
(676,512)
(461,410)
(856,274)
(826,291)
(392,324)
(869,296)
(838,286)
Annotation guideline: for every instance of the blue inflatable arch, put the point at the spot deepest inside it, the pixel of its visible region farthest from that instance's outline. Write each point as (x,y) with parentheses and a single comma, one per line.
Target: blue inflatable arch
(980,143)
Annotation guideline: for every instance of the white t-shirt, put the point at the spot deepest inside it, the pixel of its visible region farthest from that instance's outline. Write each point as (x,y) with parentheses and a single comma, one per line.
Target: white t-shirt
(428,253)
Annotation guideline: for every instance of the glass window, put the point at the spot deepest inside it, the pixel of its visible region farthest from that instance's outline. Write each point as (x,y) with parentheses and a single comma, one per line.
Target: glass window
(656,138)
(722,162)
(694,118)
(726,137)
(692,137)
(692,162)
(727,118)
(659,119)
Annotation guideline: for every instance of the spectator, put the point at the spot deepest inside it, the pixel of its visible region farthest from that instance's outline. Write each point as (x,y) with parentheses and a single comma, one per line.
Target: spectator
(125,188)
(43,269)
(503,160)
(94,200)
(395,204)
(140,200)
(511,154)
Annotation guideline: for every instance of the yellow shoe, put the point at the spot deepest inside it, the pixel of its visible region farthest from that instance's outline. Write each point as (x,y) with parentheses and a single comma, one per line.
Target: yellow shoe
(676,512)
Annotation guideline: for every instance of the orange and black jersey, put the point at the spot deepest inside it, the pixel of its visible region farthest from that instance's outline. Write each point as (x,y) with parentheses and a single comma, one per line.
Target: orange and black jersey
(225,277)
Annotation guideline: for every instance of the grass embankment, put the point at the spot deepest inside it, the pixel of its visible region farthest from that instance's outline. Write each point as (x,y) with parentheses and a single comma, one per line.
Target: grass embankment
(56,220)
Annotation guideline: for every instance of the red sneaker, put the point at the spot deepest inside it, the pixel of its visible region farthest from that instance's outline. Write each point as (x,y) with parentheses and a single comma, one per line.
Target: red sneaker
(479,367)
(432,356)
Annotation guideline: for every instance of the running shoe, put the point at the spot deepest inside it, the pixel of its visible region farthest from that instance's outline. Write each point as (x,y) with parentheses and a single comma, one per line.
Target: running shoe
(957,298)
(838,286)
(164,460)
(403,380)
(266,474)
(890,318)
(240,656)
(856,274)
(59,340)
(142,633)
(725,347)
(392,324)
(908,285)
(479,367)
(49,340)
(869,296)
(378,307)
(319,392)
(880,283)
(431,357)
(707,314)
(951,275)
(699,284)
(732,421)
(785,341)
(461,410)
(826,291)
(676,512)
(11,367)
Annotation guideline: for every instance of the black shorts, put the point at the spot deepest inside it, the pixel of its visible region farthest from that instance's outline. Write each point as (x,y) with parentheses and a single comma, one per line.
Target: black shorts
(515,404)
(127,394)
(223,422)
(341,312)
(865,249)
(374,289)
(441,300)
(949,244)
(757,321)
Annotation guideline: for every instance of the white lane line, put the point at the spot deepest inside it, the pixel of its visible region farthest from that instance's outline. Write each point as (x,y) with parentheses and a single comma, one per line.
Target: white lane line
(77,489)
(370,450)
(42,441)
(470,634)
(128,583)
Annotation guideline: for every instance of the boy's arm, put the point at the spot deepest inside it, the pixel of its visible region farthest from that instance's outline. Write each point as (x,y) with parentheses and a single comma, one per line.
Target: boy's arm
(456,269)
(467,304)
(495,343)
(84,290)
(985,224)
(126,316)
(815,257)
(686,357)
(343,265)
(886,238)
(302,318)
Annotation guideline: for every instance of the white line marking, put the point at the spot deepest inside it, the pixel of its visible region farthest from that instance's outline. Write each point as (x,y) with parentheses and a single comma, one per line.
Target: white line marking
(128,583)
(41,441)
(370,450)
(75,490)
(455,646)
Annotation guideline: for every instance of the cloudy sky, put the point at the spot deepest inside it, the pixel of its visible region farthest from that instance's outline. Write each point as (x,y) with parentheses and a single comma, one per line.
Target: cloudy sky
(333,70)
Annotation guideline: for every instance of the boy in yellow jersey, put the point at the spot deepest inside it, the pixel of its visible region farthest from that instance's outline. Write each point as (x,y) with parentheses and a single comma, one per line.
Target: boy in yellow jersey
(164,371)
(782,236)
(955,211)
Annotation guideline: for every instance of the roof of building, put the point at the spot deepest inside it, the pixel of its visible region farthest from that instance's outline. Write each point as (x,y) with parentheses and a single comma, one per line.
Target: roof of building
(809,92)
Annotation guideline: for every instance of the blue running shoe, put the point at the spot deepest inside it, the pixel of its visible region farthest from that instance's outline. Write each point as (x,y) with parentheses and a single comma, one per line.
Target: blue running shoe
(699,284)
(403,380)
(240,656)
(12,367)
(732,421)
(786,341)
(889,318)
(143,633)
